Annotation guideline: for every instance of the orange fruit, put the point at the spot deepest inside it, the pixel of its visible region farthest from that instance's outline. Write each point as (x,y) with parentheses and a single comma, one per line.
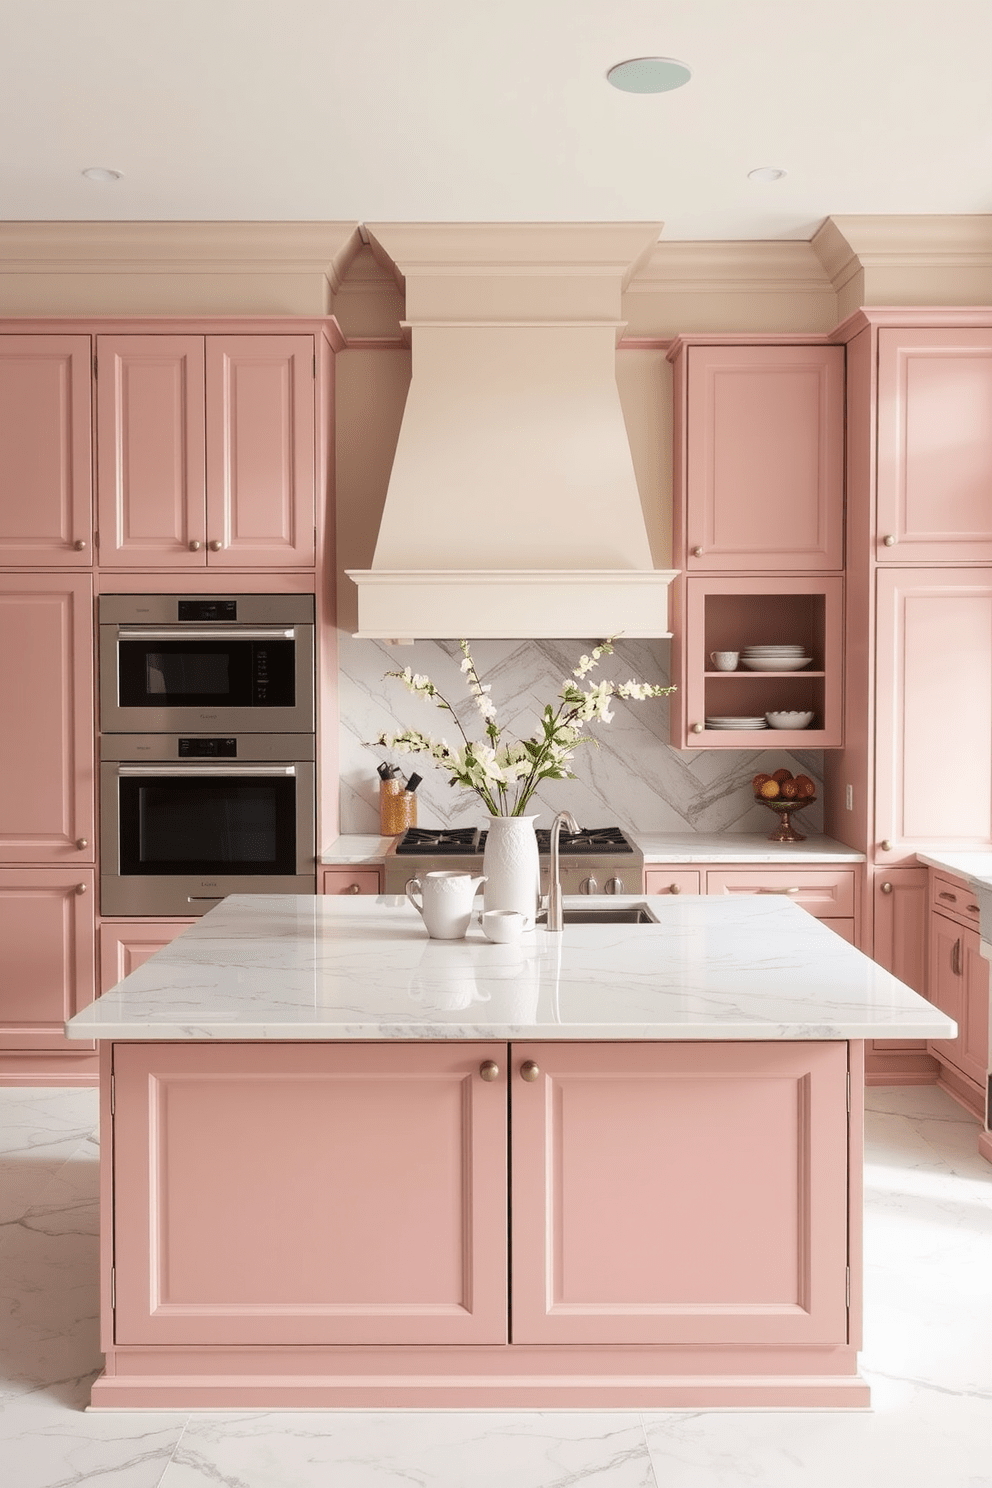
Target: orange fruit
(759,781)
(806,786)
(790,790)
(781,775)
(770,790)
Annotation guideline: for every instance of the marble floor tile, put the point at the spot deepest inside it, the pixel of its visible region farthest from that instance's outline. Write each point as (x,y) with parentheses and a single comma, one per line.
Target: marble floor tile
(407,1449)
(40,1130)
(44,1445)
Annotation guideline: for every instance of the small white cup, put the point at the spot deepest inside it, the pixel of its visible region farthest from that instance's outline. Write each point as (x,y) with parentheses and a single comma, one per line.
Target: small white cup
(503,925)
(725,661)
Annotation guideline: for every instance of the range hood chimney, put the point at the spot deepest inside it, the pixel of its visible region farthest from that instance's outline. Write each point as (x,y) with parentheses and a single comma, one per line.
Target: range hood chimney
(512,508)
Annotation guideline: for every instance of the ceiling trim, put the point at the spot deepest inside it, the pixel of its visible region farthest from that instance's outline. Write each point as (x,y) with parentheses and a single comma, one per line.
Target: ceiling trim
(732,267)
(844,245)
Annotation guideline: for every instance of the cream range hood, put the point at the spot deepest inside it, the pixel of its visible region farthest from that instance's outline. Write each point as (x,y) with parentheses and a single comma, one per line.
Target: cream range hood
(512,508)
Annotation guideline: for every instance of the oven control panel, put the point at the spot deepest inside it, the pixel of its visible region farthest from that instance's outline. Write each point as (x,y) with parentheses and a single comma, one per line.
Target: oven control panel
(208,748)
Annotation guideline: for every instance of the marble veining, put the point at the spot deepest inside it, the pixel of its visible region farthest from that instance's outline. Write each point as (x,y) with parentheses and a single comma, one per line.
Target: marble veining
(928,1299)
(630,776)
(296,966)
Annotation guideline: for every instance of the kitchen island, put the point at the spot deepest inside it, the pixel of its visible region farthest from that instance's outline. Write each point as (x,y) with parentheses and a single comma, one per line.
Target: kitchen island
(345,1166)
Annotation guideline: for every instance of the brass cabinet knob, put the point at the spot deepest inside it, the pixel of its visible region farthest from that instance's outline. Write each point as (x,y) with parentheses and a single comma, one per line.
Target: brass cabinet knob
(489,1070)
(215,546)
(353,889)
(675,888)
(195,546)
(529,1071)
(81,842)
(79,545)
(888,541)
(697,552)
(886,888)
(80,888)
(697,728)
(886,844)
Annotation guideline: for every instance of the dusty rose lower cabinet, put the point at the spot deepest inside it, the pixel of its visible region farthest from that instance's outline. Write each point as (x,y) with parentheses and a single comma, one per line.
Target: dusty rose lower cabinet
(331,1224)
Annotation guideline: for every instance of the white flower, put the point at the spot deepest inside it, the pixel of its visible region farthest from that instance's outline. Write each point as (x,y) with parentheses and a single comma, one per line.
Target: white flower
(586,664)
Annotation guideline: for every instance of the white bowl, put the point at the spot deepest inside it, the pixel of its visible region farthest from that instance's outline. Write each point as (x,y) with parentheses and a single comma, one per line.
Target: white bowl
(789,720)
(775,663)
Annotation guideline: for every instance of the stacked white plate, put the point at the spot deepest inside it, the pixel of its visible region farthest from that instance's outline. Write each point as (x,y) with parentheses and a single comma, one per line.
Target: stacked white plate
(736,723)
(775,658)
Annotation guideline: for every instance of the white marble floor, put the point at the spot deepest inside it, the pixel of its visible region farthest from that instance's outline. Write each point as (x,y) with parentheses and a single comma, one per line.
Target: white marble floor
(927,1355)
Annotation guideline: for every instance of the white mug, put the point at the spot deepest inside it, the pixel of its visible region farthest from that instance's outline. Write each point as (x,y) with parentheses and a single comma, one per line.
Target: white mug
(725,661)
(503,926)
(445,902)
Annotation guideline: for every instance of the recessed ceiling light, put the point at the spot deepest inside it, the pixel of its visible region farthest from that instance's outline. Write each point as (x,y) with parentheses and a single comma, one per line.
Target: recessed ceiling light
(767,173)
(102,173)
(649,75)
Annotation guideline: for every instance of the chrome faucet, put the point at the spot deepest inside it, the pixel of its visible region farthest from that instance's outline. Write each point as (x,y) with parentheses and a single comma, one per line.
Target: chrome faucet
(567,820)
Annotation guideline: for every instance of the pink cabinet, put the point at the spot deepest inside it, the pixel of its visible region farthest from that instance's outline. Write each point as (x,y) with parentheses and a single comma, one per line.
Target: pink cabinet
(764,458)
(126,945)
(934,448)
(46,719)
(681,1194)
(664,880)
(350,881)
(206,451)
(310,1193)
(933,716)
(46,942)
(46,496)
(900,945)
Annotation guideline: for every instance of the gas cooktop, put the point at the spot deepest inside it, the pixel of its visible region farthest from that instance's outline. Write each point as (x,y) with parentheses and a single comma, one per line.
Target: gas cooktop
(460,841)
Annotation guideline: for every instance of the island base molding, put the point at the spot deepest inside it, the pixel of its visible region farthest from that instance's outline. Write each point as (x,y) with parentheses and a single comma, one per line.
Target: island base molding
(507,1378)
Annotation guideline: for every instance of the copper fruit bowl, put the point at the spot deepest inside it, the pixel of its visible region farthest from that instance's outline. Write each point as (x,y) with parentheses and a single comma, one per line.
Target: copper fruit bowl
(785,831)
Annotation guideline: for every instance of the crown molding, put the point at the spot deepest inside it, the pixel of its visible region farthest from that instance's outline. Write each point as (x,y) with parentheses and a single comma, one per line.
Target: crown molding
(844,245)
(733,267)
(507,249)
(316,248)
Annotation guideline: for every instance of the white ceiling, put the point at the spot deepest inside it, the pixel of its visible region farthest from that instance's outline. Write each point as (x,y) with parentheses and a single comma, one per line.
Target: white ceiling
(455,110)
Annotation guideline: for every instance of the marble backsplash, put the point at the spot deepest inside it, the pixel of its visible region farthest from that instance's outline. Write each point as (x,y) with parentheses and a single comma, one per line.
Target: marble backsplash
(634,778)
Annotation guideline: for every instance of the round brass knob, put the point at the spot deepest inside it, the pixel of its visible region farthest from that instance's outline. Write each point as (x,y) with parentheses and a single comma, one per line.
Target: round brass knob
(353,889)
(79,545)
(888,541)
(886,888)
(215,546)
(697,552)
(81,843)
(80,888)
(195,546)
(529,1070)
(489,1070)
(697,728)
(886,844)
(675,888)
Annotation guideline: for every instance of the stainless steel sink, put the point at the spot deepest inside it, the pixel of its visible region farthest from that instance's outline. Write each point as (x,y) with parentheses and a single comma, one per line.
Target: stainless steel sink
(632,914)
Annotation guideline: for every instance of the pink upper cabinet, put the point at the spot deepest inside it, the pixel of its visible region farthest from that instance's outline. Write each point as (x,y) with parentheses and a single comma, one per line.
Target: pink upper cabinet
(206,451)
(46,496)
(260,451)
(764,452)
(934,446)
(150,441)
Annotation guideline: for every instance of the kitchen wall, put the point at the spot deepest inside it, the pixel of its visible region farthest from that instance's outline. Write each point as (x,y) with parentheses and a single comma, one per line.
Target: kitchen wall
(633,778)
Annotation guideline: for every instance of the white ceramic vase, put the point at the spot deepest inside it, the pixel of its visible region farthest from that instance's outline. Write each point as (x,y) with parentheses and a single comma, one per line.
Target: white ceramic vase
(511,865)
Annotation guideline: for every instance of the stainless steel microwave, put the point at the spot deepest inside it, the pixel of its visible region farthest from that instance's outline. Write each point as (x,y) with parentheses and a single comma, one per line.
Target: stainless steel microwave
(230,663)
(186,820)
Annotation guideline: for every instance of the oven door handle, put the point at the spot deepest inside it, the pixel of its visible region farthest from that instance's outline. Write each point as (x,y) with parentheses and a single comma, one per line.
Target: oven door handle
(182,633)
(218,769)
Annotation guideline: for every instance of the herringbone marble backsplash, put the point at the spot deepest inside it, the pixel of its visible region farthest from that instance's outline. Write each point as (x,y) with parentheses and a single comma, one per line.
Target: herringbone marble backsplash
(634,778)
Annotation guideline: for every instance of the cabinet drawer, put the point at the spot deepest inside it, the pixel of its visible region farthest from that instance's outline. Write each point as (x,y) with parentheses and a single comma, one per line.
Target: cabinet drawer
(672,881)
(350,881)
(827,893)
(952,897)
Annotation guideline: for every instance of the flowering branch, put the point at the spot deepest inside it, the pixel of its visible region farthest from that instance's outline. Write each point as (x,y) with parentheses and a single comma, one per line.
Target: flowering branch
(505,774)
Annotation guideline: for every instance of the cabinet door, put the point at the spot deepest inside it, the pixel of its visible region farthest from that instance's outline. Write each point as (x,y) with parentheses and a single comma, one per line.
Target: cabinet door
(46,719)
(935,446)
(310,1193)
(959,985)
(824,892)
(125,947)
(900,907)
(690,1193)
(150,451)
(46,955)
(260,451)
(765,458)
(46,495)
(933,712)
(350,881)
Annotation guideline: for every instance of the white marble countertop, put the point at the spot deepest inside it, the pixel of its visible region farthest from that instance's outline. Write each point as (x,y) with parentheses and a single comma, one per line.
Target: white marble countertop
(305,967)
(975,866)
(657,847)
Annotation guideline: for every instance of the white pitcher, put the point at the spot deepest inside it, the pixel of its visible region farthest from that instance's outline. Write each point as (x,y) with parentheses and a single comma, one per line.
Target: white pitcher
(445,902)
